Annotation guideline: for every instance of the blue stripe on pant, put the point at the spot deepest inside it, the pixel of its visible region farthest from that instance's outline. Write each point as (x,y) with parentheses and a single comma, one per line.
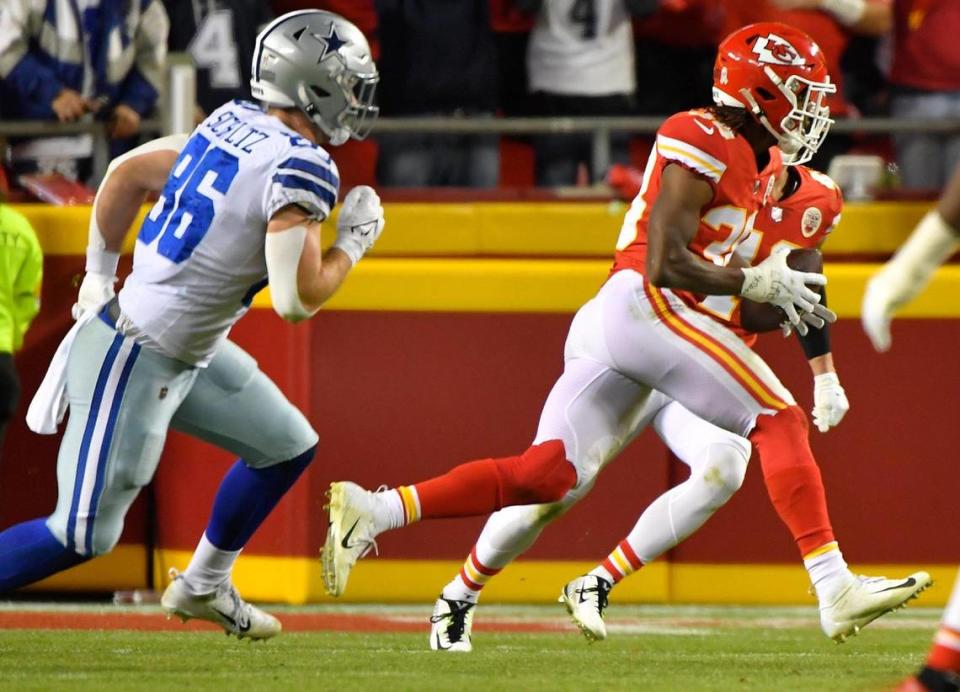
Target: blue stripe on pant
(105,446)
(84,544)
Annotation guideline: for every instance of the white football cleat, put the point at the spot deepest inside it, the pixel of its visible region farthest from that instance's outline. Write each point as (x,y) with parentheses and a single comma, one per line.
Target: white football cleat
(350,533)
(451,624)
(223,607)
(866,599)
(586,600)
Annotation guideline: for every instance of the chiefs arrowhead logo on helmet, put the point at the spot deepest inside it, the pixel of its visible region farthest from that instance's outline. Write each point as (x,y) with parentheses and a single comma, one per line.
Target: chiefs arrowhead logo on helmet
(775,50)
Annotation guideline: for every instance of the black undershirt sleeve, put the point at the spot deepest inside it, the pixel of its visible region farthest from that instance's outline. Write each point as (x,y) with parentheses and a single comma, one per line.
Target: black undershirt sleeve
(817,341)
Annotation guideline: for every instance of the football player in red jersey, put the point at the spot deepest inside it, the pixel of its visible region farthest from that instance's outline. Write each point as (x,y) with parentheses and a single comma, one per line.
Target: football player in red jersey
(709,175)
(806,207)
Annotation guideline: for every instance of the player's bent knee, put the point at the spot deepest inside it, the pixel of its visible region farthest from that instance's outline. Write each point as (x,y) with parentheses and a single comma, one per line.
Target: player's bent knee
(726,469)
(541,474)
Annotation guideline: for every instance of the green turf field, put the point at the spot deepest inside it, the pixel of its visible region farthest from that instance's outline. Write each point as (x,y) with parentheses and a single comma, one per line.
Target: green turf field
(655,648)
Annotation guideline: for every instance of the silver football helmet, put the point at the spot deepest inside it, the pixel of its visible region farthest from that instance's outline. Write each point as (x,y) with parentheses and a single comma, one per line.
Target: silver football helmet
(320,63)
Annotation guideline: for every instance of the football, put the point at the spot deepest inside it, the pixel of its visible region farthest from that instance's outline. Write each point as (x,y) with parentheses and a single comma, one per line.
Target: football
(764,317)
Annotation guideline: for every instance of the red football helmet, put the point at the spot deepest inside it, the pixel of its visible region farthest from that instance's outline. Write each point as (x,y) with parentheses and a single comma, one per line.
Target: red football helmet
(779,74)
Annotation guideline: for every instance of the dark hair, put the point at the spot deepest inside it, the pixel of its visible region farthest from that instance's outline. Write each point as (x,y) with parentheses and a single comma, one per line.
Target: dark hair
(731,116)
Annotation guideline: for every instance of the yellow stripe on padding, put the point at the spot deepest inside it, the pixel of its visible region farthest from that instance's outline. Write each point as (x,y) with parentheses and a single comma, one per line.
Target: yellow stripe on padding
(693,335)
(822,550)
(677,150)
(621,562)
(410,505)
(475,576)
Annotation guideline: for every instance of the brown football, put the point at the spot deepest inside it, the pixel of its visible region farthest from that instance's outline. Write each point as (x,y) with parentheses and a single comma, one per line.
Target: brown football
(764,317)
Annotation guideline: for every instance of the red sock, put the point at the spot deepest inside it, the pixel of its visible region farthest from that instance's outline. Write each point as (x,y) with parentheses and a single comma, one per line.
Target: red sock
(945,654)
(541,474)
(793,478)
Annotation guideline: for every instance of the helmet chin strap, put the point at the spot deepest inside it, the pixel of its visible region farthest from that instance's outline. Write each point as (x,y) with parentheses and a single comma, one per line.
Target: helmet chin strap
(788,145)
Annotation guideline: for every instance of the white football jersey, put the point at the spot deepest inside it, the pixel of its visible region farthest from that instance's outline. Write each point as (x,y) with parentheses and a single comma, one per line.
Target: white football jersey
(199,255)
(582,48)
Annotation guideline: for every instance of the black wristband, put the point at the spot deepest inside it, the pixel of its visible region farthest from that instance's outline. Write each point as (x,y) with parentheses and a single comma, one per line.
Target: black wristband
(817,341)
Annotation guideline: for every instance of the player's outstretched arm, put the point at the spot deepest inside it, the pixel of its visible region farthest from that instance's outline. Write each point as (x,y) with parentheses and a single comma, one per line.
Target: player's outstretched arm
(128,180)
(904,277)
(302,278)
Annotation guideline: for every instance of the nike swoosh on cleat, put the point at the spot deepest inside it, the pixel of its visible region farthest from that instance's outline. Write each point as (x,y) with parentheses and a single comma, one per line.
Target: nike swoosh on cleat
(440,646)
(243,626)
(345,541)
(906,582)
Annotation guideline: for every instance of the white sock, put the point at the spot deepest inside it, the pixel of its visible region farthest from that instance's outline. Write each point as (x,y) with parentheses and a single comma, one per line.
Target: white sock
(209,567)
(828,572)
(389,512)
(457,590)
(603,573)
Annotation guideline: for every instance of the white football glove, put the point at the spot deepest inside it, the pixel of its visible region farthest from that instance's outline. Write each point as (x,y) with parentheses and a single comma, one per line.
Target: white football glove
(818,319)
(905,276)
(772,281)
(830,402)
(876,312)
(95,291)
(360,222)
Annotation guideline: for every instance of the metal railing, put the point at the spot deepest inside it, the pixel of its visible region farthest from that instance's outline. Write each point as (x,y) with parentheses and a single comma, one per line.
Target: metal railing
(599,129)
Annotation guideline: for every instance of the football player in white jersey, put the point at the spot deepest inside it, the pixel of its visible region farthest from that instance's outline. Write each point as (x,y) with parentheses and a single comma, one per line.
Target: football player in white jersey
(935,239)
(242,202)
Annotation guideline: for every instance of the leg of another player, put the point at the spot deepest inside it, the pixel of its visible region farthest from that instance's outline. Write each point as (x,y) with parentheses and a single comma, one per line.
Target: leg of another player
(941,671)
(595,411)
(109,450)
(506,535)
(657,339)
(718,462)
(588,415)
(237,407)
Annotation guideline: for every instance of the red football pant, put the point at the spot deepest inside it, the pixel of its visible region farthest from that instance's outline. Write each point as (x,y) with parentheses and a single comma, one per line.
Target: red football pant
(792,477)
(541,474)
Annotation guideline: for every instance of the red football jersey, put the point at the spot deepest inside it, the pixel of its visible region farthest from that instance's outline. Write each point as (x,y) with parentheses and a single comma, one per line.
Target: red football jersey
(802,220)
(701,144)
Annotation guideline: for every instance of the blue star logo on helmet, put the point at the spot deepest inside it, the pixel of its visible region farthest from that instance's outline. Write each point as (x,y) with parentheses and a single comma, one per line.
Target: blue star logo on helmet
(332,43)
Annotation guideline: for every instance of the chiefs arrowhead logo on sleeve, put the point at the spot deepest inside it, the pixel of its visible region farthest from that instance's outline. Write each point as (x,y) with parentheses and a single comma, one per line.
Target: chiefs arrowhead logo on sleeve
(774,50)
(810,222)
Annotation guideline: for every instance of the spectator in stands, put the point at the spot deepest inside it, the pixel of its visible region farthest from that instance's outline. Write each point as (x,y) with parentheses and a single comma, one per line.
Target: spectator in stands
(580,62)
(676,47)
(69,60)
(437,59)
(219,36)
(832,24)
(925,75)
(21,269)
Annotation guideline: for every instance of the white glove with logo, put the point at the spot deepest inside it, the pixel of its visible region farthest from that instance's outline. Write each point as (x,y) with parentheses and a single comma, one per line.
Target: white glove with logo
(830,402)
(360,222)
(95,290)
(772,281)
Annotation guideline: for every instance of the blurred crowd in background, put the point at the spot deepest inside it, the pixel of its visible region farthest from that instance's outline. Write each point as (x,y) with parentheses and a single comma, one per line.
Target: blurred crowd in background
(71,60)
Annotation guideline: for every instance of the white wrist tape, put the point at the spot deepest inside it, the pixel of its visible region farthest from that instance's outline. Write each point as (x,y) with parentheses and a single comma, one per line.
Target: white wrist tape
(930,245)
(99,259)
(847,12)
(282,250)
